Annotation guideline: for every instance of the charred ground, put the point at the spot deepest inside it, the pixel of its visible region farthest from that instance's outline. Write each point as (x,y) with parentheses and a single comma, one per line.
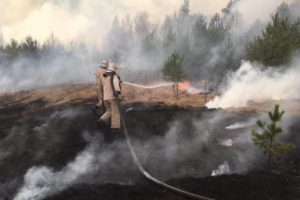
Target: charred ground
(34,134)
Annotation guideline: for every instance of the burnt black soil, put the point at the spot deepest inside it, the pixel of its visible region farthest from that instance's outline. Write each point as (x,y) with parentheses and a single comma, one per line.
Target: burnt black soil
(230,187)
(32,135)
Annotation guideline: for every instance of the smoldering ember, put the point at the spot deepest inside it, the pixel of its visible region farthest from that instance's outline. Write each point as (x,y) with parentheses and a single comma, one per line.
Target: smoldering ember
(170,100)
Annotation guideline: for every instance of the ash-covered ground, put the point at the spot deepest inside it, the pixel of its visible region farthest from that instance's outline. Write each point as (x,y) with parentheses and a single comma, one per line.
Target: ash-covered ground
(59,153)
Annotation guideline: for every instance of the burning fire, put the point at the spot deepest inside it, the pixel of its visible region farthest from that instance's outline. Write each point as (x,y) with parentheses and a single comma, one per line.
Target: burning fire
(184,86)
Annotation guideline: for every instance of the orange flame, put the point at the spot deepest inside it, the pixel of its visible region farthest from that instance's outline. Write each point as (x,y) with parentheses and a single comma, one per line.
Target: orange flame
(184,86)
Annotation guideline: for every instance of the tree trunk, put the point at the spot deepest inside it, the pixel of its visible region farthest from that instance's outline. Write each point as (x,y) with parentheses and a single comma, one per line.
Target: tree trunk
(133,93)
(205,93)
(270,154)
(176,91)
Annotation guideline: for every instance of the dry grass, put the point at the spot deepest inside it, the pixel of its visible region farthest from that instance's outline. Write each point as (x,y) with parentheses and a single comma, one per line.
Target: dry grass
(164,95)
(53,95)
(78,93)
(86,92)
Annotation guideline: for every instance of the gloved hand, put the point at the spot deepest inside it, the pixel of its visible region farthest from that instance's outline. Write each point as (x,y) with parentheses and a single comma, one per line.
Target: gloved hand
(117,93)
(99,104)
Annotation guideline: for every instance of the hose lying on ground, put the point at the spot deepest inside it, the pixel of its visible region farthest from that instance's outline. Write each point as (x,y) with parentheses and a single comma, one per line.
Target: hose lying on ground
(145,173)
(137,162)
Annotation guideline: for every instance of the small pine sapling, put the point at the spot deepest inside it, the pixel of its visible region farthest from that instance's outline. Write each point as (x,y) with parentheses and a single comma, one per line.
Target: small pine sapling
(267,139)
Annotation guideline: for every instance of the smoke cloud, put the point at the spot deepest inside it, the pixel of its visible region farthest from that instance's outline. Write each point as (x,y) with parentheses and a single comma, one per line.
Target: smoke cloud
(28,73)
(251,82)
(86,20)
(253,10)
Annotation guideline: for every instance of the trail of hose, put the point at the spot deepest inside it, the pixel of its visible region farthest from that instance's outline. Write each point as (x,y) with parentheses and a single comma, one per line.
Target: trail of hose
(145,173)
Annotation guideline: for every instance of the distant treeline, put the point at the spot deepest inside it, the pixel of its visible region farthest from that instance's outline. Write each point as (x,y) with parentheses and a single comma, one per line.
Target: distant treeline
(207,44)
(32,49)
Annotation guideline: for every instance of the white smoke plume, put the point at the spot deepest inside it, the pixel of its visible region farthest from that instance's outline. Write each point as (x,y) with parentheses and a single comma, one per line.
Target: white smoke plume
(222,169)
(40,182)
(250,82)
(239,125)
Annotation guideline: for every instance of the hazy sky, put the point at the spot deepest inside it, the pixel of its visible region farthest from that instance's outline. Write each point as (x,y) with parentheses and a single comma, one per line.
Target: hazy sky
(90,19)
(69,19)
(251,10)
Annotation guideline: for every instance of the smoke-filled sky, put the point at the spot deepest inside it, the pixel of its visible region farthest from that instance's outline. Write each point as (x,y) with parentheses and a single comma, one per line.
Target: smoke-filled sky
(251,10)
(89,19)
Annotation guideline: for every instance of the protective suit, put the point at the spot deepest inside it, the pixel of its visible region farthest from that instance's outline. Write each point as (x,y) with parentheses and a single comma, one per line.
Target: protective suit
(111,91)
(99,82)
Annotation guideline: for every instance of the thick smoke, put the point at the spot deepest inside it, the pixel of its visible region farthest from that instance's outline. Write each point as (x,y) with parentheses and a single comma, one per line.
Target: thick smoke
(251,82)
(27,73)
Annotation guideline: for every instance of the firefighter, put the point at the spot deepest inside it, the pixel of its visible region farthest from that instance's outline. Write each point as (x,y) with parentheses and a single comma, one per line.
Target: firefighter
(111,96)
(99,82)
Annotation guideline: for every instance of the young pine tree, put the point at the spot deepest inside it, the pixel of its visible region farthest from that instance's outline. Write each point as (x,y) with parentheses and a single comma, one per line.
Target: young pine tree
(276,45)
(172,71)
(267,140)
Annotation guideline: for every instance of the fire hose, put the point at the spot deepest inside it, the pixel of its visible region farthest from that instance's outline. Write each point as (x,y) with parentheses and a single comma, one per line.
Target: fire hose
(139,165)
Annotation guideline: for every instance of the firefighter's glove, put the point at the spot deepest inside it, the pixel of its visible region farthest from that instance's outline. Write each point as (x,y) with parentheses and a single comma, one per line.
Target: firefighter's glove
(99,104)
(117,93)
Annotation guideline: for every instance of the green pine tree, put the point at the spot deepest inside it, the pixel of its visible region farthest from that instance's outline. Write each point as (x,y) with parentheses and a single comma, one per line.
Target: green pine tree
(267,139)
(172,71)
(277,44)
(30,47)
(12,49)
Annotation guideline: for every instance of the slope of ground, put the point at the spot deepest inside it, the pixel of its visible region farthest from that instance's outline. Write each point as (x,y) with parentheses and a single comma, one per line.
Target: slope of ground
(181,145)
